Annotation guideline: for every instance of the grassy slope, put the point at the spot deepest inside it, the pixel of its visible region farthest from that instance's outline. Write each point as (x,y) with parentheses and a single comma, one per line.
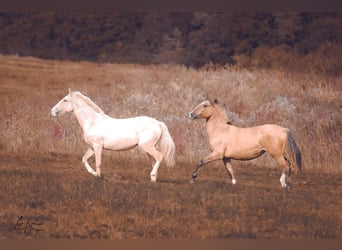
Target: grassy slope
(42,178)
(308,104)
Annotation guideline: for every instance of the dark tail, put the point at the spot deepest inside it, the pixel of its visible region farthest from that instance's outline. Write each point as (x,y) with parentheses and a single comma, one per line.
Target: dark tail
(293,153)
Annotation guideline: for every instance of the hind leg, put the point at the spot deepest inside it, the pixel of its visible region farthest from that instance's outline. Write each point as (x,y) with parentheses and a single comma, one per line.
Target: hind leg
(286,173)
(154,171)
(158,156)
(229,168)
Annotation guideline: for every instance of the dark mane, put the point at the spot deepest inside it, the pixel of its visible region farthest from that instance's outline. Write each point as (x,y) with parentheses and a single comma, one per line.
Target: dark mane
(222,111)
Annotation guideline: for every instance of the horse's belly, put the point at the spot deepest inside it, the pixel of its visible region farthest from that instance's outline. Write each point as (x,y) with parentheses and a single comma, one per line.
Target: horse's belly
(246,153)
(120,142)
(119,147)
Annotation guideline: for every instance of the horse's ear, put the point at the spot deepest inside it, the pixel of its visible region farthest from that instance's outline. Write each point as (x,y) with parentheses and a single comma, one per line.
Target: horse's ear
(208,99)
(216,101)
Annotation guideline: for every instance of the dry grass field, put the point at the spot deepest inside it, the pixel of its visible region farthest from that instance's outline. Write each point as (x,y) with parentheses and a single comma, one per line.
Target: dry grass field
(45,192)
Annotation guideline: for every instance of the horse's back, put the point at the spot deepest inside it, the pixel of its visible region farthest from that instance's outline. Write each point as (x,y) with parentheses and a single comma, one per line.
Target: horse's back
(273,138)
(132,123)
(273,128)
(273,132)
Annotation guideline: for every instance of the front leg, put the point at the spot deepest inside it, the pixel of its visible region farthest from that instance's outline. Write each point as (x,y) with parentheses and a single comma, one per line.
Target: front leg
(212,157)
(197,169)
(229,169)
(98,151)
(85,158)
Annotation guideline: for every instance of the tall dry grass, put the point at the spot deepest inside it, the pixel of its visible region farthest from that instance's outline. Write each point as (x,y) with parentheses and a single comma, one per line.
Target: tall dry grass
(309,104)
(42,179)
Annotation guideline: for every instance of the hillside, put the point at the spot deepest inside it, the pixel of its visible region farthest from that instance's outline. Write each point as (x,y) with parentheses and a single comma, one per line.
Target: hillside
(43,182)
(189,38)
(308,104)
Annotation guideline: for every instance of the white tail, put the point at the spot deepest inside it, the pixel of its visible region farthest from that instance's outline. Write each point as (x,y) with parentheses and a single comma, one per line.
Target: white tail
(167,145)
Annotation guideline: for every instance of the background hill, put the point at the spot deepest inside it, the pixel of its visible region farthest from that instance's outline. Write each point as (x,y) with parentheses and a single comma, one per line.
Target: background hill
(189,38)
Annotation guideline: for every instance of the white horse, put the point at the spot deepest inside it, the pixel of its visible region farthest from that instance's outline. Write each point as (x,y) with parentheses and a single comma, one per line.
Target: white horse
(101,131)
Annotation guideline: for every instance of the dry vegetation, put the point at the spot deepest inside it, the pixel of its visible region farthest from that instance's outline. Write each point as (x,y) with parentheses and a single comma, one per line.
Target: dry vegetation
(42,177)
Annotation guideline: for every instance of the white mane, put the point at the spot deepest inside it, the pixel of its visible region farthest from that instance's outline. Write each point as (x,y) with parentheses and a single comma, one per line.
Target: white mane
(88,102)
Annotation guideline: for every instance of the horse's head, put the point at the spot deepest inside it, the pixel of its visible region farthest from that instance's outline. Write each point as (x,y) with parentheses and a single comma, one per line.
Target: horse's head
(203,110)
(64,105)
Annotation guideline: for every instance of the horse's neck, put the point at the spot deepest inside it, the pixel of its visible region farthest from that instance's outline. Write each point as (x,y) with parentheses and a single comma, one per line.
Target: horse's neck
(90,103)
(85,113)
(216,120)
(218,116)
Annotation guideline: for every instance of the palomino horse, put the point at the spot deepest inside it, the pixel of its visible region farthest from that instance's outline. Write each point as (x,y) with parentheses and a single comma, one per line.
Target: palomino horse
(229,142)
(101,131)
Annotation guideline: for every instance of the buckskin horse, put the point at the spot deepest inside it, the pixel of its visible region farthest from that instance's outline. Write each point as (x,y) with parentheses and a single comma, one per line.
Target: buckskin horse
(229,142)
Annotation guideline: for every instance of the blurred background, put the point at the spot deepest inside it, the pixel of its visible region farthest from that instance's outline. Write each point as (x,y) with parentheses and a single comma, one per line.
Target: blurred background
(193,39)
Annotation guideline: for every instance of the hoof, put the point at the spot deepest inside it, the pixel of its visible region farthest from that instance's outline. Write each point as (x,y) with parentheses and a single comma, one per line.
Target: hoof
(287,186)
(192,181)
(97,175)
(153,178)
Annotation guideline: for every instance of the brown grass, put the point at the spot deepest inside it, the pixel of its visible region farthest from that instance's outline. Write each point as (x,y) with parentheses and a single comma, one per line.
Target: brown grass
(67,202)
(42,177)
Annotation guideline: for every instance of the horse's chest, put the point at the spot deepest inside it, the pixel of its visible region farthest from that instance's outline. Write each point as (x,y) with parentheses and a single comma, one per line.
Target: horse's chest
(91,138)
(218,142)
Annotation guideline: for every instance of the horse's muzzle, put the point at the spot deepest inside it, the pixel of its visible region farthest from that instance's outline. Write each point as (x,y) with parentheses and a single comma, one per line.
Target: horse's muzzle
(54,112)
(192,116)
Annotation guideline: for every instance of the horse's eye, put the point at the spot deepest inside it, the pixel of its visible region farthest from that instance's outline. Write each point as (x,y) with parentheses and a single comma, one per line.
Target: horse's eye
(65,100)
(205,105)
